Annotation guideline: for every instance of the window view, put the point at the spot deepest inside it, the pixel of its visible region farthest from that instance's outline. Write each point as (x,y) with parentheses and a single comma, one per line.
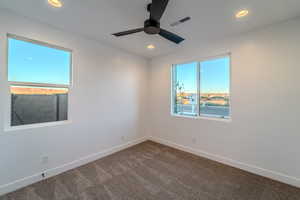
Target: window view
(209,80)
(185,83)
(214,87)
(39,77)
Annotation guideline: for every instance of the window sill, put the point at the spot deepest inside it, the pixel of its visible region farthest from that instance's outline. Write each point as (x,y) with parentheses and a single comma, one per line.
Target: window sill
(33,126)
(203,117)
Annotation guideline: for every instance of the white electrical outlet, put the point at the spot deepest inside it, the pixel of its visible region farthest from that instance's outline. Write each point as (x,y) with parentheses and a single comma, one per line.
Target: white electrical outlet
(123,138)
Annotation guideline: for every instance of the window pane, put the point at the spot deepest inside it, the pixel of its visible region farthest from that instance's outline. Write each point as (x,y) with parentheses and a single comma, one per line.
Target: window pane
(214,87)
(185,89)
(29,62)
(31,105)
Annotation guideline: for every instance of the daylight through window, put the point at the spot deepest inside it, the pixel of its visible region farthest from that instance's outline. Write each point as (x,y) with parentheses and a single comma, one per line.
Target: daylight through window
(202,88)
(39,79)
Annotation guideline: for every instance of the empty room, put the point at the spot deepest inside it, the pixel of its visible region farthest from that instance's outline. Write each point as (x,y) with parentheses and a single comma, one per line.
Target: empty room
(149,100)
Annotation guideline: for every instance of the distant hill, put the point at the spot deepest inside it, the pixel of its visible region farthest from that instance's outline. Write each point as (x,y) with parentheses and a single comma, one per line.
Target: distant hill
(37,91)
(212,99)
(208,95)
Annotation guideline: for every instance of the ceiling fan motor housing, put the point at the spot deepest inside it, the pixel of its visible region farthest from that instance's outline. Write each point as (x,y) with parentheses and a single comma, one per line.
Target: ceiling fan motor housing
(151,27)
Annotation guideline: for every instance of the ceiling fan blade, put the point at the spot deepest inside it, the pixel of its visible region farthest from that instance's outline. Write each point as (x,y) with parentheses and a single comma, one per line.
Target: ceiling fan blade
(157,9)
(170,36)
(128,32)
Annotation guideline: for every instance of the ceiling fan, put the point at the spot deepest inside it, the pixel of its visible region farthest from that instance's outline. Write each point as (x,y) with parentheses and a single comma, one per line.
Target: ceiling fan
(152,25)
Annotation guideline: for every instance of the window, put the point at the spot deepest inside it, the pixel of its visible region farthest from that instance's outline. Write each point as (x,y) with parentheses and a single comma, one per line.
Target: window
(202,88)
(39,80)
(185,86)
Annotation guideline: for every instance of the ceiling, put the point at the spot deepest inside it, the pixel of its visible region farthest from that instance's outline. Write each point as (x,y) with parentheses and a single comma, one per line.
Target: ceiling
(211,19)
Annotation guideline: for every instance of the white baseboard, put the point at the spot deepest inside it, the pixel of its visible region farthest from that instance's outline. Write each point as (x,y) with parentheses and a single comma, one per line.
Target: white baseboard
(247,167)
(15,185)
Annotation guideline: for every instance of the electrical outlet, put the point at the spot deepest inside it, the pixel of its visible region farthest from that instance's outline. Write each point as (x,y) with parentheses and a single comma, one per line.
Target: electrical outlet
(123,138)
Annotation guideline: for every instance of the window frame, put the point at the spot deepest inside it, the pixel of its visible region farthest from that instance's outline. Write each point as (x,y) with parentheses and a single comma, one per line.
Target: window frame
(8,126)
(199,115)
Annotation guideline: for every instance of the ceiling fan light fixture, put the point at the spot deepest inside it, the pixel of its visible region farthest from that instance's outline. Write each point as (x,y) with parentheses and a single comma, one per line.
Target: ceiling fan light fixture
(55,3)
(151,47)
(242,13)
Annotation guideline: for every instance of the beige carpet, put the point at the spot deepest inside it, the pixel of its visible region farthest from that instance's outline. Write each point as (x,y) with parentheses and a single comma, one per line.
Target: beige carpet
(156,172)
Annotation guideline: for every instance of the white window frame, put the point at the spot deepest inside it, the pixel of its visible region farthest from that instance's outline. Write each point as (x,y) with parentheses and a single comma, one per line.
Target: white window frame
(201,116)
(7,125)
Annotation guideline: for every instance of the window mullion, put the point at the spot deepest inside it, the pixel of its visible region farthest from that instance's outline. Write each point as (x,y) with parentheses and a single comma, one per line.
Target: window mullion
(174,90)
(198,88)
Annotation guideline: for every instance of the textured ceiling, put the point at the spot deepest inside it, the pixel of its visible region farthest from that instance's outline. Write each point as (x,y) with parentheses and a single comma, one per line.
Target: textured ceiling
(211,19)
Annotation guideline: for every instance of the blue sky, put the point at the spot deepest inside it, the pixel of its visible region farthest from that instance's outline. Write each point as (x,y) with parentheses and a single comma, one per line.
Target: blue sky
(28,62)
(214,76)
(186,75)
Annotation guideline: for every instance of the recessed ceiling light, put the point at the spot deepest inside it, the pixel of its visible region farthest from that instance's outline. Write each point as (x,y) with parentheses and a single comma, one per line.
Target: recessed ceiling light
(151,46)
(242,13)
(55,3)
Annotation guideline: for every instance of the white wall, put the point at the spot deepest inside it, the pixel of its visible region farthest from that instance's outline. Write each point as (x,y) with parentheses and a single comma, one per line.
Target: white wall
(110,94)
(106,103)
(264,135)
